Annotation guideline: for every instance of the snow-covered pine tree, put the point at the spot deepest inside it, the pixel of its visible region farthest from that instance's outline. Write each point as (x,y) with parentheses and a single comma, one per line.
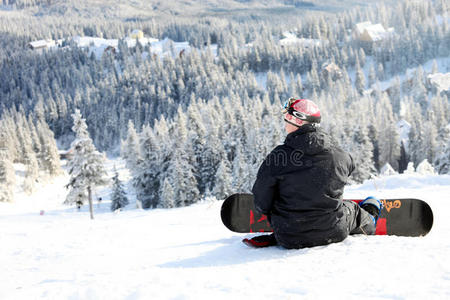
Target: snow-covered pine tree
(434,67)
(49,152)
(213,153)
(119,197)
(442,161)
(181,176)
(36,144)
(430,139)
(389,139)
(362,57)
(9,127)
(167,194)
(86,168)
(425,168)
(130,148)
(146,178)
(360,80)
(372,75)
(313,78)
(29,159)
(196,138)
(387,170)
(419,91)
(223,182)
(380,72)
(410,169)
(240,173)
(403,159)
(7,176)
(362,154)
(416,135)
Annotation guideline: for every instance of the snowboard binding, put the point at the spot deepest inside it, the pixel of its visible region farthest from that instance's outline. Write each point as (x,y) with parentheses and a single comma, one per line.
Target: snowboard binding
(373,206)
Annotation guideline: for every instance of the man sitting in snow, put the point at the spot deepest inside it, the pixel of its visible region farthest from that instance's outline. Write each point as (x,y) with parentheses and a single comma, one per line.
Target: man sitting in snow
(299,186)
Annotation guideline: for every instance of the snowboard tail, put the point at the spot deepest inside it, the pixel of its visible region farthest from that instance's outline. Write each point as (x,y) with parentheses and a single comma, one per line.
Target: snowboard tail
(400,217)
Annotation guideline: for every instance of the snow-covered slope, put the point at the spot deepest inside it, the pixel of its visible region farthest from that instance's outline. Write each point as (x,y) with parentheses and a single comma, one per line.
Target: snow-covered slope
(186,253)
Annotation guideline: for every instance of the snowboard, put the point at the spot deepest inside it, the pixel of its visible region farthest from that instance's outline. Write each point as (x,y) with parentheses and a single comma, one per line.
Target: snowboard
(400,217)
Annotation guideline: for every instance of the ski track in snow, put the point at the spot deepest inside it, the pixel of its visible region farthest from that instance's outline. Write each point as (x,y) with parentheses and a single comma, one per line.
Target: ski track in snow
(186,253)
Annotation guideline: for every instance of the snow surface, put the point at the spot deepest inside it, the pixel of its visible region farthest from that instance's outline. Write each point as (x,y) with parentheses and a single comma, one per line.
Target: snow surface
(186,253)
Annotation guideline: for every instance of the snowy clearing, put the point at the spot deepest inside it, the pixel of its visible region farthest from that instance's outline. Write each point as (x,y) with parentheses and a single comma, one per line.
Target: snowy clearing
(186,253)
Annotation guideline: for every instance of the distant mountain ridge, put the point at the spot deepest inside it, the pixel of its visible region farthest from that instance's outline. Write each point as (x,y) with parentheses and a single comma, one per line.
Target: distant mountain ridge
(142,10)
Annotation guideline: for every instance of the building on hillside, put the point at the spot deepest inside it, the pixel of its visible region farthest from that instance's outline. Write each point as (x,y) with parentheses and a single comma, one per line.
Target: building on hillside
(331,70)
(359,28)
(137,34)
(440,83)
(368,34)
(42,44)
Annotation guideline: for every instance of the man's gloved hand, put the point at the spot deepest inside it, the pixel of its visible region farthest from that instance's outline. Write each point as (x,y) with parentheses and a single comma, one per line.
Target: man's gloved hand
(261,241)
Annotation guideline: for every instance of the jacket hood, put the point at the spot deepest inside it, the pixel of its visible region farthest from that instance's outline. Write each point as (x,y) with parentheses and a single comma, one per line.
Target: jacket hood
(309,138)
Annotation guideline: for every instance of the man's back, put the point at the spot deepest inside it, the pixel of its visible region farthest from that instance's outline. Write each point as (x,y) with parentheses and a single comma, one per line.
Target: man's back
(300,185)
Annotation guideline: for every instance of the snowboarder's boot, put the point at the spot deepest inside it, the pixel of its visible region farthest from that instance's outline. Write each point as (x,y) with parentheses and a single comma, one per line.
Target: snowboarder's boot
(261,241)
(373,206)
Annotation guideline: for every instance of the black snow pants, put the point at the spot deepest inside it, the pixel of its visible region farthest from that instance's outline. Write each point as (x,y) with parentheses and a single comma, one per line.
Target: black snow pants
(355,220)
(358,220)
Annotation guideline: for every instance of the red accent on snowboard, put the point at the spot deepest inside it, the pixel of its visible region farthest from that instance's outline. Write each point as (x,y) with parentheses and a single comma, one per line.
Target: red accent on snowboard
(263,217)
(260,224)
(252,220)
(381,227)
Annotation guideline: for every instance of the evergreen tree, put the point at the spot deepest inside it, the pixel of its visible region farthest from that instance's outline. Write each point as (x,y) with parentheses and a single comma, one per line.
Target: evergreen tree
(167,195)
(425,168)
(7,176)
(30,160)
(196,139)
(146,178)
(404,158)
(430,141)
(214,149)
(362,153)
(372,75)
(130,148)
(181,177)
(49,153)
(240,173)
(419,91)
(410,169)
(434,67)
(86,168)
(223,181)
(389,140)
(119,198)
(380,72)
(360,80)
(387,170)
(442,161)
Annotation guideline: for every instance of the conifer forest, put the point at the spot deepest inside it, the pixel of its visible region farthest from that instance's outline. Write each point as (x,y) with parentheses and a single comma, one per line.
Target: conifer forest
(198,122)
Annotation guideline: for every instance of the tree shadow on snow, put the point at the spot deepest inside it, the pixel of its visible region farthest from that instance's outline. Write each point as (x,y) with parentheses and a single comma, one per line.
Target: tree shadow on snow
(231,252)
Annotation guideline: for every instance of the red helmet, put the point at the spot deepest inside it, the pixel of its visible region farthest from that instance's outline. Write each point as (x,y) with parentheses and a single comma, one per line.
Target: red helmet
(299,110)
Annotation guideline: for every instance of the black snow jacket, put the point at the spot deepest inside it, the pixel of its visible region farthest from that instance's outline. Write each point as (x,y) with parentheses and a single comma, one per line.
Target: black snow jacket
(300,185)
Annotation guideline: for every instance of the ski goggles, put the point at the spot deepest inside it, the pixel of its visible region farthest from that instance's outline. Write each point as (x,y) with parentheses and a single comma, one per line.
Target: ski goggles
(287,105)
